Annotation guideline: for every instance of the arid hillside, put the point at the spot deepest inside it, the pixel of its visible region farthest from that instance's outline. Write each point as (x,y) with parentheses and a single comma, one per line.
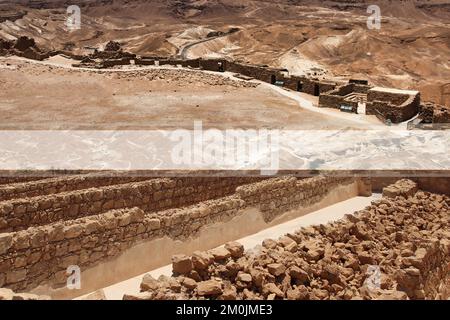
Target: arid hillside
(323,38)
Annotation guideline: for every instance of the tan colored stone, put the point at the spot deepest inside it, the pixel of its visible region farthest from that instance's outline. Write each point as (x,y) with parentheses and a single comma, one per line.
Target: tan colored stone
(181,264)
(235,248)
(271,288)
(5,242)
(276,269)
(220,254)
(209,288)
(201,260)
(244,277)
(149,283)
(73,231)
(6,294)
(189,283)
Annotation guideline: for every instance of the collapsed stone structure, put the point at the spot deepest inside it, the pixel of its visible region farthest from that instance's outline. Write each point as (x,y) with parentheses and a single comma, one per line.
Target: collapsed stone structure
(23,47)
(397,248)
(349,94)
(41,236)
(387,104)
(393,104)
(434,113)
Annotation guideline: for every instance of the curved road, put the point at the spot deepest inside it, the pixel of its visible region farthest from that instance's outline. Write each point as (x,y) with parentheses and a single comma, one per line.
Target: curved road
(182,52)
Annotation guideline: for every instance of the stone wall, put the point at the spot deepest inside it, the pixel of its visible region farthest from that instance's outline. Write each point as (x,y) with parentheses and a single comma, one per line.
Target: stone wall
(392,106)
(437,184)
(262,73)
(337,97)
(36,188)
(278,195)
(42,253)
(407,240)
(151,195)
(434,113)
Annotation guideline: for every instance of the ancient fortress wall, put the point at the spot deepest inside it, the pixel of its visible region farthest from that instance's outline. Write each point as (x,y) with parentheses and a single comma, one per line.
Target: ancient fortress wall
(393,106)
(151,195)
(34,188)
(438,184)
(328,261)
(335,98)
(41,254)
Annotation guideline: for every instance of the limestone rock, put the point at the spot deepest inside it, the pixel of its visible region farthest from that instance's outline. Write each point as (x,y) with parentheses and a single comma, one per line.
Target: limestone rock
(276,269)
(209,288)
(201,260)
(149,283)
(181,264)
(5,242)
(235,248)
(220,254)
(97,295)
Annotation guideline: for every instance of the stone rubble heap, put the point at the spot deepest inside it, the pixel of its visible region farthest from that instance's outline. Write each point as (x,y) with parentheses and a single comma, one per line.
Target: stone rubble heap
(22,47)
(404,187)
(8,294)
(406,239)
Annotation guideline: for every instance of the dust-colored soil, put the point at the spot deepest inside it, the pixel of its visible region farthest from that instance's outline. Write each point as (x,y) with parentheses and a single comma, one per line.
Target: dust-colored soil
(36,96)
(329,38)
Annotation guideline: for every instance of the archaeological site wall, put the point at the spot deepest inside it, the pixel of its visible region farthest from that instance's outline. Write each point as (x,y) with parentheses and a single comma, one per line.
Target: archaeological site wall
(437,184)
(150,195)
(394,106)
(434,113)
(34,188)
(40,253)
(404,235)
(342,96)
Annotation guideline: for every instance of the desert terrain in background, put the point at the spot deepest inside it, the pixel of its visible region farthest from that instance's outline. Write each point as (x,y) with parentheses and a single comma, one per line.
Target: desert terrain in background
(323,38)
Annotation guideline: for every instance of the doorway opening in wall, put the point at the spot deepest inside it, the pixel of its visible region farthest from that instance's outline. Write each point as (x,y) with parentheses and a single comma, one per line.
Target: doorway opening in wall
(316,90)
(273,79)
(299,86)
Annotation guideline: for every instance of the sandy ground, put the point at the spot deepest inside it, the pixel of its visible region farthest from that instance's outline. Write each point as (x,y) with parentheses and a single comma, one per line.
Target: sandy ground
(51,95)
(410,51)
(328,214)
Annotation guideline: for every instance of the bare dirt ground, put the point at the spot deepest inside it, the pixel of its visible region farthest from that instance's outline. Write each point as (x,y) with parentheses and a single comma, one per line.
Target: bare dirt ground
(51,95)
(410,51)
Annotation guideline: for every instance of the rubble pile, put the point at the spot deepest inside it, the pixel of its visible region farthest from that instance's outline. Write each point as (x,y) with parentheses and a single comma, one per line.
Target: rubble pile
(23,47)
(396,248)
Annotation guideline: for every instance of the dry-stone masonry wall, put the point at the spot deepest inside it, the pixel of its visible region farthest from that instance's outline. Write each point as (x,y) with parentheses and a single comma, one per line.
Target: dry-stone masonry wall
(61,184)
(151,195)
(42,253)
(397,248)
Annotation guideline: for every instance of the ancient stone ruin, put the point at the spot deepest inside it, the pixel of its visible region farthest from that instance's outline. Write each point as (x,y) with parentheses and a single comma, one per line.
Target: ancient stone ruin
(106,221)
(23,47)
(405,234)
(388,104)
